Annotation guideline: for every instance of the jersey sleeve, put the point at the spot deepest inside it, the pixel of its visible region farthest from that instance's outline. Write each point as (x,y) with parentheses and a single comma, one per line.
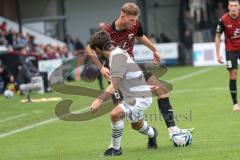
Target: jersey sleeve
(118,64)
(140,30)
(220,26)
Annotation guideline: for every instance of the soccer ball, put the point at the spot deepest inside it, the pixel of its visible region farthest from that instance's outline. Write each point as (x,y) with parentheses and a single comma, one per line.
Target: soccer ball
(8,93)
(182,139)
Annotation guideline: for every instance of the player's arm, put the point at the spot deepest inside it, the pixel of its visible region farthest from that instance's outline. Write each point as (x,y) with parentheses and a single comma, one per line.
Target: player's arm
(118,64)
(144,39)
(104,71)
(217,45)
(219,31)
(115,82)
(98,101)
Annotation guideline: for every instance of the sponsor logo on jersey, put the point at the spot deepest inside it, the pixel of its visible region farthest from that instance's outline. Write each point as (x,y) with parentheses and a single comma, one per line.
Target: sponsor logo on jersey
(237,31)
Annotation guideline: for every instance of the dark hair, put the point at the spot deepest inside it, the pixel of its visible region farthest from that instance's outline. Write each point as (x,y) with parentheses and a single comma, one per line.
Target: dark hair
(100,40)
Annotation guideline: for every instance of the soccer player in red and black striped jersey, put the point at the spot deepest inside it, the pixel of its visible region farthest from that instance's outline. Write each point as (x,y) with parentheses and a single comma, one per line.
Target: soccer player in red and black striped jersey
(229,23)
(123,33)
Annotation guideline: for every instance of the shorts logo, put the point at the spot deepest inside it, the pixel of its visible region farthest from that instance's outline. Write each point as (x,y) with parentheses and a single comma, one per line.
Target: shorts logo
(132,102)
(229,64)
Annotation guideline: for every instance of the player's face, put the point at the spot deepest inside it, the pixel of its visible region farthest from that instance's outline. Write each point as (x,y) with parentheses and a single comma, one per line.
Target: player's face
(129,21)
(233,8)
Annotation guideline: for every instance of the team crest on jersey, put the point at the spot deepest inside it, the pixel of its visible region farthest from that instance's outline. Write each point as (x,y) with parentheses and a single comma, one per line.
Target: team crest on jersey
(130,36)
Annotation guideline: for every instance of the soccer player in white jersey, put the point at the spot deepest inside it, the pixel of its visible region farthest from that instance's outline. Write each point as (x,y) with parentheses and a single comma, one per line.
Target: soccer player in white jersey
(129,79)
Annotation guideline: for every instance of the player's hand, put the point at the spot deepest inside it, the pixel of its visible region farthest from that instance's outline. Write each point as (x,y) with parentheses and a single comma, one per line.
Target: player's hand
(156,57)
(96,104)
(105,72)
(220,59)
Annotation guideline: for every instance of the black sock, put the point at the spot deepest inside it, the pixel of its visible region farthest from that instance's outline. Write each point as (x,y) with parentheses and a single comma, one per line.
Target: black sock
(167,112)
(233,90)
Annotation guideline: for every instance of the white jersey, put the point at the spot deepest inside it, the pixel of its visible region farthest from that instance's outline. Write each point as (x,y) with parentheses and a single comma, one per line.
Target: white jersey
(132,81)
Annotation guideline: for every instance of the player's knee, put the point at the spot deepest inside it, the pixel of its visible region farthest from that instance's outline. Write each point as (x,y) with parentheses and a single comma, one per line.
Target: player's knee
(136,126)
(161,96)
(114,116)
(161,91)
(233,74)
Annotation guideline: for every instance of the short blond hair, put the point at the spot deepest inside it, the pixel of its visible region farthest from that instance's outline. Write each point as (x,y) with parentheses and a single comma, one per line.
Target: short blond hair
(131,9)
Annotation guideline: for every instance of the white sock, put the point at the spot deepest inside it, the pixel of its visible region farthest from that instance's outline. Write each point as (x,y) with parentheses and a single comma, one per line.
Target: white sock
(172,130)
(117,130)
(147,130)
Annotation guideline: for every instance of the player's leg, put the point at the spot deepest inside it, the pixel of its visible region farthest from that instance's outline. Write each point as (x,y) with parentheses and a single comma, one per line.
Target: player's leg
(117,115)
(163,101)
(135,114)
(232,66)
(162,95)
(164,104)
(233,85)
(144,128)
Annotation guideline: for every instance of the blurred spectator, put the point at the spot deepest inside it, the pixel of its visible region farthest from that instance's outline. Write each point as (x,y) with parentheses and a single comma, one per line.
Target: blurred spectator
(205,14)
(64,53)
(79,47)
(10,36)
(188,21)
(205,26)
(3,28)
(5,77)
(49,52)
(69,42)
(31,44)
(164,38)
(220,10)
(211,15)
(26,72)
(188,37)
(153,38)
(19,40)
(2,39)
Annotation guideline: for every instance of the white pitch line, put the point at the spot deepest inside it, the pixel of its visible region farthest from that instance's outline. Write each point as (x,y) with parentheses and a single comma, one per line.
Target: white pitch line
(28,127)
(12,118)
(200,90)
(189,75)
(56,119)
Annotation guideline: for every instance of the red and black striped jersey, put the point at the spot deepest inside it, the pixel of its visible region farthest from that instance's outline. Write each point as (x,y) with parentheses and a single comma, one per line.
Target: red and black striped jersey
(125,38)
(231,29)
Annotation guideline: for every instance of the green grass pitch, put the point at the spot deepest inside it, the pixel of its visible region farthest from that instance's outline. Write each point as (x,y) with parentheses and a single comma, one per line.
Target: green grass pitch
(200,100)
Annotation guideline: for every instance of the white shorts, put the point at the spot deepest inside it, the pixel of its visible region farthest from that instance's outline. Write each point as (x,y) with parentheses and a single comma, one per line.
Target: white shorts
(136,112)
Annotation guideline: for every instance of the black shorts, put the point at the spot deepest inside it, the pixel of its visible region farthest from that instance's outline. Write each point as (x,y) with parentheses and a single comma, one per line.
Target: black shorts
(147,74)
(232,59)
